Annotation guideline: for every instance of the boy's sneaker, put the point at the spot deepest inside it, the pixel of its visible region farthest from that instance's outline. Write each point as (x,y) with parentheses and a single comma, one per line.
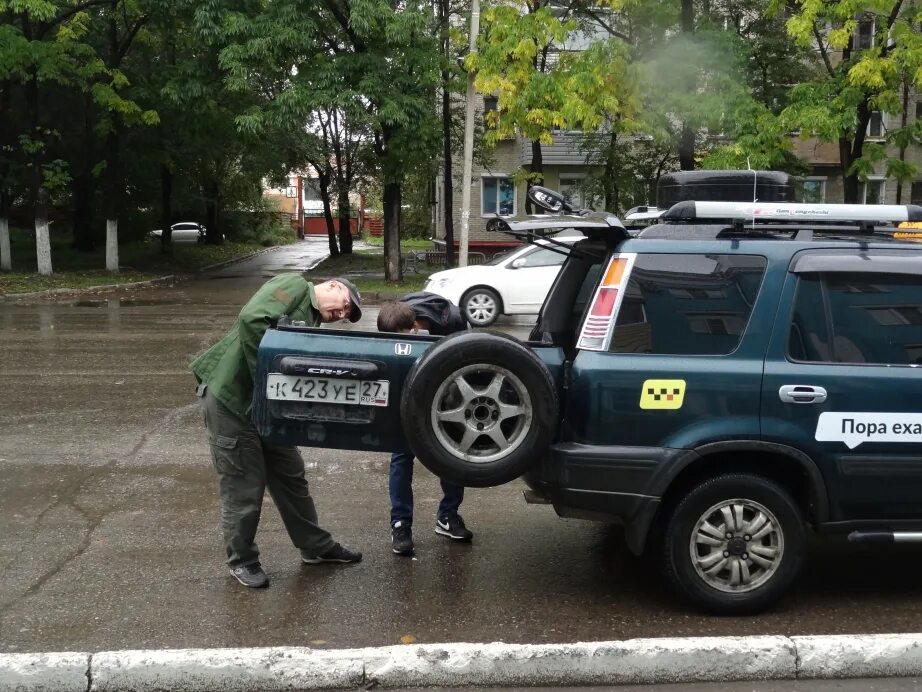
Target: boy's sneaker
(251,575)
(335,554)
(402,538)
(453,527)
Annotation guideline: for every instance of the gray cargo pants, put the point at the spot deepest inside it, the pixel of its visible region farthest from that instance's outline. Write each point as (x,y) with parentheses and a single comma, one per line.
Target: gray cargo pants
(246,466)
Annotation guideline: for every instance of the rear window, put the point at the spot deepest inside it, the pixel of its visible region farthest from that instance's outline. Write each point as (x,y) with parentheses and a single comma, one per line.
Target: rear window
(857,318)
(687,304)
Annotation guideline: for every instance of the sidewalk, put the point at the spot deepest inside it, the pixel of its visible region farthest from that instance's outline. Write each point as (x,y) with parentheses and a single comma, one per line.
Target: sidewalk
(631,662)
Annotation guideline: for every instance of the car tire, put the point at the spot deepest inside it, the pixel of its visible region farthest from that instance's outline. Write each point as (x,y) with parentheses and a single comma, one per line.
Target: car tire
(481,306)
(479,408)
(747,571)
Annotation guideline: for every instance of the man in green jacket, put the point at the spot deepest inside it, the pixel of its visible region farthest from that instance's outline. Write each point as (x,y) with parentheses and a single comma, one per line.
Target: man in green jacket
(247,465)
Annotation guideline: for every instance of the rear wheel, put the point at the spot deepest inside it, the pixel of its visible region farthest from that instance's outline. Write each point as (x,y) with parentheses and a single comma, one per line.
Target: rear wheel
(734,544)
(479,409)
(481,306)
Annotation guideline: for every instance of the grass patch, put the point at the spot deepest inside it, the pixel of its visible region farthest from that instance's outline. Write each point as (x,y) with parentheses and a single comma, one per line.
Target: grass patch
(138,261)
(366,269)
(28,283)
(407,244)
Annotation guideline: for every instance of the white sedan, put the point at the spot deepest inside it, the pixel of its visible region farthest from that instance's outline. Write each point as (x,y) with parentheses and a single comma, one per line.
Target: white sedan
(182,232)
(515,283)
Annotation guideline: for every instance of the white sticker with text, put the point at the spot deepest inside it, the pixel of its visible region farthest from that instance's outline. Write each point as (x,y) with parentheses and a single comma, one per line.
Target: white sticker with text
(855,428)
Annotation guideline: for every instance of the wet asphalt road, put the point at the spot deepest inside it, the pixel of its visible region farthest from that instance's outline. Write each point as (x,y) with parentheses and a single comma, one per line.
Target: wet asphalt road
(109,536)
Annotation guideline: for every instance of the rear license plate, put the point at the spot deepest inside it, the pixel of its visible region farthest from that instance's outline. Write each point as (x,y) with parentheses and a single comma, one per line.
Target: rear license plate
(327,390)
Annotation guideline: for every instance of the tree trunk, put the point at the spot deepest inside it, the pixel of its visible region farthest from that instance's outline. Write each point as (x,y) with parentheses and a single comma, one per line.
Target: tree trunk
(608,180)
(447,182)
(850,185)
(42,239)
(112,245)
(323,182)
(84,186)
(687,148)
(687,138)
(345,230)
(113,204)
(166,209)
(391,203)
(537,166)
(903,117)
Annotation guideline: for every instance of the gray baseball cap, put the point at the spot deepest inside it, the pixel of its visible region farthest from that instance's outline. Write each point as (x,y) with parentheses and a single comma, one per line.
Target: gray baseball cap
(355,314)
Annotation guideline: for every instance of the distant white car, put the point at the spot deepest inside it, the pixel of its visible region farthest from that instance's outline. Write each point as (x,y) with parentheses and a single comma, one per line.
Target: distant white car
(182,232)
(514,283)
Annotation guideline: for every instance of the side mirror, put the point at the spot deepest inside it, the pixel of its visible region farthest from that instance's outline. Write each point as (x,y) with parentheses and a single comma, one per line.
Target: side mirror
(547,199)
(520,262)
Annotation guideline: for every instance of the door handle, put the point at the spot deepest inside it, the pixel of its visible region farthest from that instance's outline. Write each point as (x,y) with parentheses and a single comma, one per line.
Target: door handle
(801,394)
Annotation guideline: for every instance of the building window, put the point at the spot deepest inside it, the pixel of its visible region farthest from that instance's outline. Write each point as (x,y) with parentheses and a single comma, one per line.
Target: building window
(815,190)
(571,187)
(872,192)
(918,110)
(876,129)
(864,34)
(497,196)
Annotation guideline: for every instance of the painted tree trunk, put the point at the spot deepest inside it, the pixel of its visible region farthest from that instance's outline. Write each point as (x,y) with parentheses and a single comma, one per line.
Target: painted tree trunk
(6,261)
(42,239)
(112,245)
(391,204)
(42,245)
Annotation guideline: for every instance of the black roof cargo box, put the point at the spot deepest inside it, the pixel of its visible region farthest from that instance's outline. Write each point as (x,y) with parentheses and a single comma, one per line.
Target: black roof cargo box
(725,186)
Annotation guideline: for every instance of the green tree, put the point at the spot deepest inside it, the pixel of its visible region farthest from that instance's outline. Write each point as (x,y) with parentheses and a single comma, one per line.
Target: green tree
(869,49)
(378,57)
(42,47)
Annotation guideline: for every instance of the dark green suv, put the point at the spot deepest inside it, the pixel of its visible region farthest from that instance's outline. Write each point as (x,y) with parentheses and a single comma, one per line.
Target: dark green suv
(718,383)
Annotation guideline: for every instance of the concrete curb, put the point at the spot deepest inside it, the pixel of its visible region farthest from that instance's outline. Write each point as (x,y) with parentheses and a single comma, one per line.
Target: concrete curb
(634,661)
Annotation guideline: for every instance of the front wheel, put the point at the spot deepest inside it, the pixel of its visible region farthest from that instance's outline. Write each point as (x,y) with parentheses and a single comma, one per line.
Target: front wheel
(481,306)
(734,544)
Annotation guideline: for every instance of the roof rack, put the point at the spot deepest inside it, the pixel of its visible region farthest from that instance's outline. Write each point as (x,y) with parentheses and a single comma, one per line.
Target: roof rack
(864,216)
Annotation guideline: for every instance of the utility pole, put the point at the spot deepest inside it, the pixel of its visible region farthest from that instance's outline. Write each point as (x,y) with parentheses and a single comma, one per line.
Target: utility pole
(468,142)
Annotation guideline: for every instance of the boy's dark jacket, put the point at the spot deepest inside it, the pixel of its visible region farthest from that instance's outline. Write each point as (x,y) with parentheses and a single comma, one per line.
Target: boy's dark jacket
(444,317)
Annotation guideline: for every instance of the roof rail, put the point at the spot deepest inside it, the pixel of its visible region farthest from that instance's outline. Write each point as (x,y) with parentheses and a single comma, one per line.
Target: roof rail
(862,215)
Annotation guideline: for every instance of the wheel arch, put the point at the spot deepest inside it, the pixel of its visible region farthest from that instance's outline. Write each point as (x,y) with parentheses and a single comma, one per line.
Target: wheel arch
(790,467)
(494,289)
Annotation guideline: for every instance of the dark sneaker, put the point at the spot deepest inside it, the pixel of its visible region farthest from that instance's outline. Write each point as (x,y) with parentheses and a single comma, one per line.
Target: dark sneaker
(453,527)
(335,554)
(251,575)
(402,539)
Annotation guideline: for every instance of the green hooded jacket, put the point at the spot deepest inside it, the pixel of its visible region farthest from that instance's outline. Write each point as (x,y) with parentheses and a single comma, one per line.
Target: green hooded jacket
(229,367)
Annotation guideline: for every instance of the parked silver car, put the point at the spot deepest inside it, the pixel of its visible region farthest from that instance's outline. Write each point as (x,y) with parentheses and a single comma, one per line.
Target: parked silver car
(182,232)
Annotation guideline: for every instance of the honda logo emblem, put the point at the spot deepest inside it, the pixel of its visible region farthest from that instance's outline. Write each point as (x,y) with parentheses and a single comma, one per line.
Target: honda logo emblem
(403,349)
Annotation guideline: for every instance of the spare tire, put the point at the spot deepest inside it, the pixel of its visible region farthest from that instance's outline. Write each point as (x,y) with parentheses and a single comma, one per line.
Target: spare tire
(479,408)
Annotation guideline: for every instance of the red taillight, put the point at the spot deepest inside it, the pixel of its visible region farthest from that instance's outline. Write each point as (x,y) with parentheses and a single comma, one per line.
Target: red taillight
(604,304)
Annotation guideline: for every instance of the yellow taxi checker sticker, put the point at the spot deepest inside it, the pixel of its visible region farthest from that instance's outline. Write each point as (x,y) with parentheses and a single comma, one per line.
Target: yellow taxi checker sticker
(662,394)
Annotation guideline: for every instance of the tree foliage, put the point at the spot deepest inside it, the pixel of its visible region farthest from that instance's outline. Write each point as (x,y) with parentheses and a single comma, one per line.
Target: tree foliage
(870,51)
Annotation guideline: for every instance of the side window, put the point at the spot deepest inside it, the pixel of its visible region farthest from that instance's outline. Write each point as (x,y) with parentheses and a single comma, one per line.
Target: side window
(857,318)
(541,257)
(687,304)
